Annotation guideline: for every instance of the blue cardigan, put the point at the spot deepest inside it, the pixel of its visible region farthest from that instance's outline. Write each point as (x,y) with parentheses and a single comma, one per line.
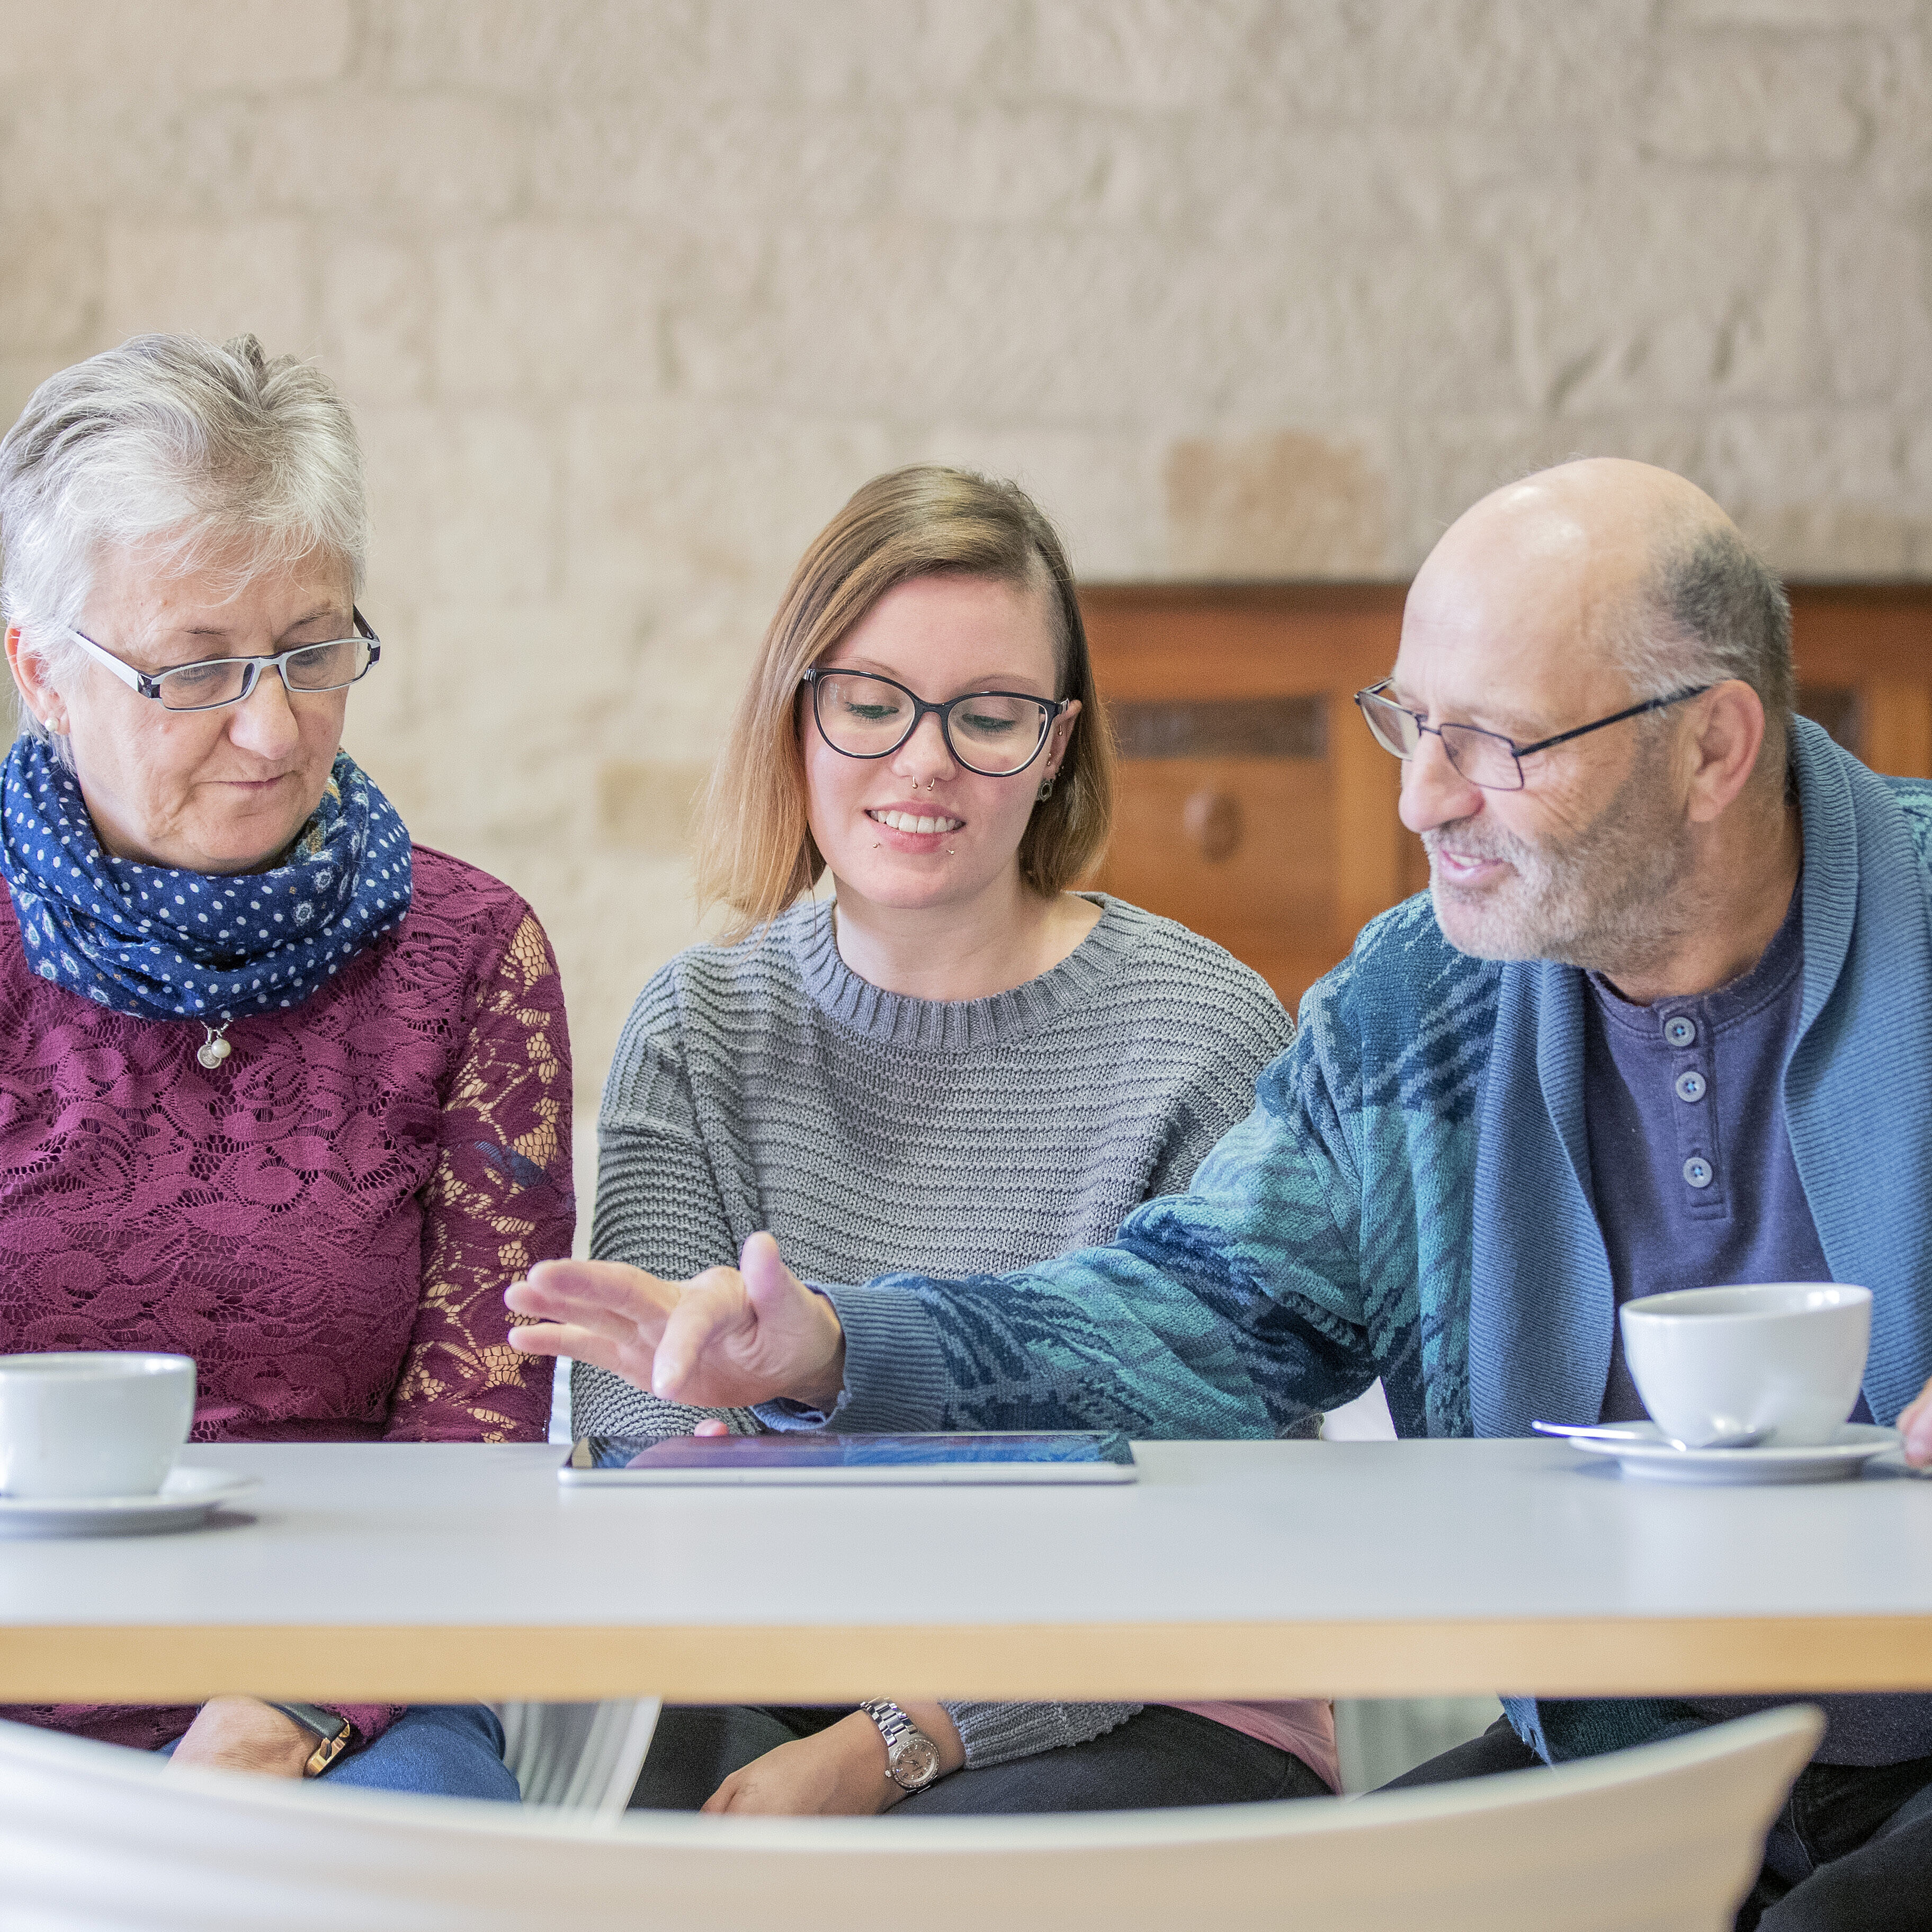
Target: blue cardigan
(1410,1198)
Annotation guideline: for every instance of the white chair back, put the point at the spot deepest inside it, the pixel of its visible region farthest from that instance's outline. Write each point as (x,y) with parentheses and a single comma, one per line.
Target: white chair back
(1665,1839)
(583,1757)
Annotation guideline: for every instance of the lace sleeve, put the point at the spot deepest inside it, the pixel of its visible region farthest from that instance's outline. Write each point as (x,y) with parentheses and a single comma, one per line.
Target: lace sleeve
(499,1201)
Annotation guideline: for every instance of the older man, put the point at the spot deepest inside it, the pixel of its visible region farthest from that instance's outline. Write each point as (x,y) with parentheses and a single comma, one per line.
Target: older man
(1669,991)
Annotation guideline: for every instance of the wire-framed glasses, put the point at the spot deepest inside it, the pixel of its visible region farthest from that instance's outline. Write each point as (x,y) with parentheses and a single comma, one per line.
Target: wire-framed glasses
(995,734)
(1485,758)
(215,682)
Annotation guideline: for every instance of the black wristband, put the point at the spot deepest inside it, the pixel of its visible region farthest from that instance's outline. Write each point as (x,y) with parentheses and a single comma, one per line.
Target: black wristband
(333,1732)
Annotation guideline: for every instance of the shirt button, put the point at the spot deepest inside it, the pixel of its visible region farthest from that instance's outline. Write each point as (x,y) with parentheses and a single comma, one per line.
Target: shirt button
(1697,1171)
(1680,1031)
(1689,1086)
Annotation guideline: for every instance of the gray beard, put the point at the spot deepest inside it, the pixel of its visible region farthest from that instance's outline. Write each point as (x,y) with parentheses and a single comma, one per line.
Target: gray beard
(1605,900)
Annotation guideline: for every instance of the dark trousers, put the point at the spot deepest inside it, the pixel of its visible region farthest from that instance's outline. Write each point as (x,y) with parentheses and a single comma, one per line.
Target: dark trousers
(1157,1758)
(1851,1851)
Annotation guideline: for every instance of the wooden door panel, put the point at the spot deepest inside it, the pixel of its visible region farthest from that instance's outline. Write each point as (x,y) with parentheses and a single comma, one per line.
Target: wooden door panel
(1277,879)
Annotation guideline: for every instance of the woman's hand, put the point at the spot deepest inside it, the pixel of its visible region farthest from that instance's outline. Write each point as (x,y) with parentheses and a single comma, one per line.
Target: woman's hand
(840,1773)
(245,1734)
(728,1339)
(1916,1426)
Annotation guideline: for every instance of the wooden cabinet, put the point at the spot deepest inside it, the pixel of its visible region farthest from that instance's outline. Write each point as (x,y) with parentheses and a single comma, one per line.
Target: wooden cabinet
(1255,806)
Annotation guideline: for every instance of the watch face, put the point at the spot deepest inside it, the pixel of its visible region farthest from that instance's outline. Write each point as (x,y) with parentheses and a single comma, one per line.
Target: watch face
(915,1762)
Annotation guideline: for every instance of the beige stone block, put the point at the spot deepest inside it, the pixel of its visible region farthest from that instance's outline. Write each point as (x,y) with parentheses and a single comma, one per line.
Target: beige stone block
(1874,285)
(1799,14)
(615,917)
(1824,492)
(476,752)
(904,320)
(202,44)
(1045,161)
(114,147)
(51,277)
(1286,504)
(1157,54)
(1841,453)
(1636,288)
(560,50)
(686,165)
(213,280)
(1735,97)
(670,691)
(464,500)
(670,51)
(544,311)
(349,150)
(709,507)
(1507,66)
(376,318)
(1838,541)
(646,805)
(872,50)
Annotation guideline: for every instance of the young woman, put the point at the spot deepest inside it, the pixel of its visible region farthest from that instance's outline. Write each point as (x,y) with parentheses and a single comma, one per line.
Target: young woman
(954,1055)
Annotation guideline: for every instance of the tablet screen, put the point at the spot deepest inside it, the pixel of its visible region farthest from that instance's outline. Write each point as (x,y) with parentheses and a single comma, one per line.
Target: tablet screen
(816,1449)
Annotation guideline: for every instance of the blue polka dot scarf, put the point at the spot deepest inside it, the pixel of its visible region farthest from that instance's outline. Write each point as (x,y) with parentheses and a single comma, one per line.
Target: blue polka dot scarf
(163,945)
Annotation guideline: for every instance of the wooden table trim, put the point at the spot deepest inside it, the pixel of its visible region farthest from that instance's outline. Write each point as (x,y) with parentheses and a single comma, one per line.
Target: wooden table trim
(1595,1657)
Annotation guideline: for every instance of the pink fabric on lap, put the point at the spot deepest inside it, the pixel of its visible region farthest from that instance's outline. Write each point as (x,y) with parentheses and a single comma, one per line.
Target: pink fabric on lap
(1305,1728)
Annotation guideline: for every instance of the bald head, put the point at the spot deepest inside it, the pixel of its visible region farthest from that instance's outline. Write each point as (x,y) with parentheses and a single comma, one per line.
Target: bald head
(1616,579)
(1618,511)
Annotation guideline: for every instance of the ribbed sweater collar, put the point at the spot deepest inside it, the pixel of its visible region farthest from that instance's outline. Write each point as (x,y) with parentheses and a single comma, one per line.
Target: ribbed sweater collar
(958,1026)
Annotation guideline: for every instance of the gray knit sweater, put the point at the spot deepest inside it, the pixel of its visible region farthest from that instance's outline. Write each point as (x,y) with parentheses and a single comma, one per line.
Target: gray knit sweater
(766,1086)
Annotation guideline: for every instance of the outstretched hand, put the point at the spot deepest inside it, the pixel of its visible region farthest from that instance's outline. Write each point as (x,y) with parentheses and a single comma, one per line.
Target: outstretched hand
(728,1339)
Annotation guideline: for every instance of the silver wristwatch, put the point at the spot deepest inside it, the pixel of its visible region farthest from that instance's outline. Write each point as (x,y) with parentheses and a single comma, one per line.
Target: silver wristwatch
(912,1758)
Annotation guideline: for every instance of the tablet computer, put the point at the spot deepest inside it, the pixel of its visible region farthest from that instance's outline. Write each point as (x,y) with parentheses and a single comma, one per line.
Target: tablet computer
(819,1456)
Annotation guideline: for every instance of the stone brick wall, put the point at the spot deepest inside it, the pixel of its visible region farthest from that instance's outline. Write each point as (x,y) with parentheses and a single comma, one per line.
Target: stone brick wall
(629,293)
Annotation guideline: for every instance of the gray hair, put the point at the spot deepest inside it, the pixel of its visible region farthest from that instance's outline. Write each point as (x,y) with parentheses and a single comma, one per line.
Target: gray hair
(170,441)
(1713,610)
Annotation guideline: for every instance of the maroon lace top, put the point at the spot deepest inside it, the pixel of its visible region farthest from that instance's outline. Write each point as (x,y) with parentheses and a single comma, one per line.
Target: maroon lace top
(326,1222)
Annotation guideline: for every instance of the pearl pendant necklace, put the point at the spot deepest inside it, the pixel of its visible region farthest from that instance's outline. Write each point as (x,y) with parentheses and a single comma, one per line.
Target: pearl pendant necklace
(215,1049)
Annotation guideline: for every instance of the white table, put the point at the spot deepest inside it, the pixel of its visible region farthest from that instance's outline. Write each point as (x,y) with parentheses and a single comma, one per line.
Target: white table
(373,1573)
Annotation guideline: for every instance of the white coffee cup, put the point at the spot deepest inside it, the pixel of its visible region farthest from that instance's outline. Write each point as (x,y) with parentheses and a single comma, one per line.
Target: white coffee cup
(1786,1357)
(91,1423)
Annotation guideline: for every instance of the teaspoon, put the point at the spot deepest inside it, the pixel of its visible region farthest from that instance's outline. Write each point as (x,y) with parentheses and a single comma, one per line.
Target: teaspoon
(1742,1439)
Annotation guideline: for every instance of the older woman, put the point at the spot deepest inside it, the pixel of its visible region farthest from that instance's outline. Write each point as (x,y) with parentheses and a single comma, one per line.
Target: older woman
(278,1090)
(960,1059)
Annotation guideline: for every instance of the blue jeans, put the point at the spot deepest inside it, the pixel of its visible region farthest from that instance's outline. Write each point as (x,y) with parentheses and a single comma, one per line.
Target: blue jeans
(439,1750)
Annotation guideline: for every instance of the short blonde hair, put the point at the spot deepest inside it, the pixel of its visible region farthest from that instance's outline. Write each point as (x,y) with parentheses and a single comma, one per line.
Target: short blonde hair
(757,856)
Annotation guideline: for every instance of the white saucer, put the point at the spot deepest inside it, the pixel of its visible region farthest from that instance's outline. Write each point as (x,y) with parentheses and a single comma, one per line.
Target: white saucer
(185,1500)
(1654,1461)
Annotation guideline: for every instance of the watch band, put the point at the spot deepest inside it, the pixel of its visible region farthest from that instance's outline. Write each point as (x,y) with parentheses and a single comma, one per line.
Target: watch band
(912,1758)
(332,1731)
